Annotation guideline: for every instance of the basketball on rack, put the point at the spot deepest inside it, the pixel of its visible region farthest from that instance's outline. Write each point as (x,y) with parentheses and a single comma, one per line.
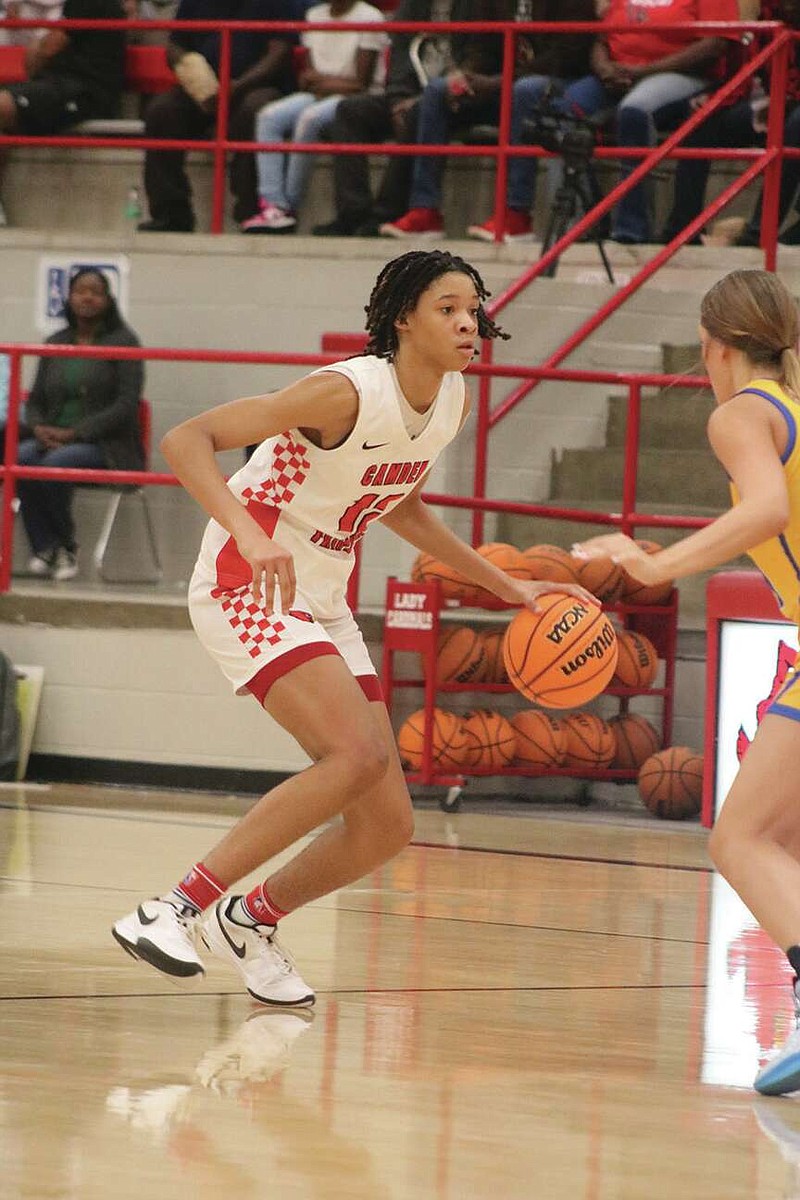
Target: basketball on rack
(492,739)
(637,661)
(495,668)
(550,563)
(507,558)
(589,740)
(636,740)
(453,585)
(541,739)
(449,748)
(562,655)
(460,656)
(600,576)
(420,565)
(634,592)
(671,782)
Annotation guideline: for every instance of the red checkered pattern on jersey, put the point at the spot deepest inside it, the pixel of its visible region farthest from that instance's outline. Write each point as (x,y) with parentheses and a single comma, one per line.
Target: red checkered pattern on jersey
(289,468)
(248,620)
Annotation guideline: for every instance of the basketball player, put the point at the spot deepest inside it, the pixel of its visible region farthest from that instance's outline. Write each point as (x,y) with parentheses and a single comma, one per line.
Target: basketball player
(347,445)
(749,331)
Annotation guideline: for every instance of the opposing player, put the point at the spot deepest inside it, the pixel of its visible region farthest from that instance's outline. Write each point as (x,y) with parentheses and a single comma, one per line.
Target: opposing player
(749,331)
(349,444)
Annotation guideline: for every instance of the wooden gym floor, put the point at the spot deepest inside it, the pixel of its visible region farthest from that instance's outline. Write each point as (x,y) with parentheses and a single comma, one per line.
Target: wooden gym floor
(519,1006)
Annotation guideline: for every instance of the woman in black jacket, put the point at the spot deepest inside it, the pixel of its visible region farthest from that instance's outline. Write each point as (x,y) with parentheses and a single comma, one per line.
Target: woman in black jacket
(84,413)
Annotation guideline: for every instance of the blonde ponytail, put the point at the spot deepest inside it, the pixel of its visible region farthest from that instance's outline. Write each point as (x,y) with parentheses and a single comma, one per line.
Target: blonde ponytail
(790,371)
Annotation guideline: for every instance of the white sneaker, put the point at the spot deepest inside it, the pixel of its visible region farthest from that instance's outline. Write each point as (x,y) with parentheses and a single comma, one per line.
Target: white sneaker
(161,934)
(268,971)
(259,1048)
(781,1074)
(41,565)
(66,565)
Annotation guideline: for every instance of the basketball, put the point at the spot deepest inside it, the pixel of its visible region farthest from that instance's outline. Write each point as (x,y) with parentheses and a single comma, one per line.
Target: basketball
(453,585)
(541,740)
(636,739)
(589,739)
(563,655)
(420,565)
(550,563)
(634,592)
(449,748)
(671,782)
(495,668)
(492,739)
(600,576)
(507,558)
(459,656)
(637,660)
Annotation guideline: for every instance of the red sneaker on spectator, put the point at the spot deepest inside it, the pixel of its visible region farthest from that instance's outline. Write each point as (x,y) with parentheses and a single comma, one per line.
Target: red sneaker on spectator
(517,228)
(418,222)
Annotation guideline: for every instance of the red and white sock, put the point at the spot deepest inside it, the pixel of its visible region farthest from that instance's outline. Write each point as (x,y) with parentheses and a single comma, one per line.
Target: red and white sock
(260,907)
(198,888)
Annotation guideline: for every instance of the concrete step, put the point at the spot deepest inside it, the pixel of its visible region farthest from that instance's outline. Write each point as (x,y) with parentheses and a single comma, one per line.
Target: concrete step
(692,475)
(673,417)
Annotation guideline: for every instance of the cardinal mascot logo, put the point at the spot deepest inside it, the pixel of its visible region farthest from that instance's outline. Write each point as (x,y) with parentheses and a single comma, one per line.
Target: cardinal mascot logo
(786,660)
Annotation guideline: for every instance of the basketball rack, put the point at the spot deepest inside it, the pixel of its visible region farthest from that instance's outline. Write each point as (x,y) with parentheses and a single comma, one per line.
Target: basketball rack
(412,622)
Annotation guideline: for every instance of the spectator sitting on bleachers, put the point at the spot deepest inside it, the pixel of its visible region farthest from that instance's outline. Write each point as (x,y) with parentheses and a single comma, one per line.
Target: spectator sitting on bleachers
(741,123)
(649,76)
(467,94)
(27,10)
(390,114)
(261,71)
(73,75)
(5,375)
(339,64)
(84,413)
(548,59)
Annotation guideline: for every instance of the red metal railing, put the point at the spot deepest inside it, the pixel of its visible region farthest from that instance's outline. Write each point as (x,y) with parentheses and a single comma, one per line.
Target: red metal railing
(628,518)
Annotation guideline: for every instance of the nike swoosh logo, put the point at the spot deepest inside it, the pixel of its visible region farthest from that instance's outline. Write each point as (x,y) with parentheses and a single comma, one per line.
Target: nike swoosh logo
(373,446)
(143,917)
(239,951)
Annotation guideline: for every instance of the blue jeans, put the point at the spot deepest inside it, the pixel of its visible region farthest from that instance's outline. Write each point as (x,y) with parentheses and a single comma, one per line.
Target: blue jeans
(642,112)
(47,507)
(435,122)
(300,117)
(526,94)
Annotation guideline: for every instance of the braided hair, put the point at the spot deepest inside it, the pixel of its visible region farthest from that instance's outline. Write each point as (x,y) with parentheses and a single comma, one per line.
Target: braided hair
(400,285)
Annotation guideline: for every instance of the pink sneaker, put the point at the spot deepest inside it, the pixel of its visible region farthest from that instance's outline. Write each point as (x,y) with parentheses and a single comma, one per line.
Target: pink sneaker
(418,222)
(517,228)
(269,219)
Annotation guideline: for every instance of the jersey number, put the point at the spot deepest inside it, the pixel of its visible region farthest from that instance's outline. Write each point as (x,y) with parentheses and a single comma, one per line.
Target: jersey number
(354,520)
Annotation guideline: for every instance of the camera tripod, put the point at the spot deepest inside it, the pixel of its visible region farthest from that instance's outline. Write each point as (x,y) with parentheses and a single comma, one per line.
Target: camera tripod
(578,187)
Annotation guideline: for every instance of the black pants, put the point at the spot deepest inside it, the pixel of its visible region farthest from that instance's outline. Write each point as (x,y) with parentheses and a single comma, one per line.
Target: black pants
(368,118)
(174,114)
(728,128)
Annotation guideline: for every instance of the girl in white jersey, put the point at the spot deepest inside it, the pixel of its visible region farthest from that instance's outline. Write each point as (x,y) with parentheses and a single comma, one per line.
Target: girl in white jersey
(349,444)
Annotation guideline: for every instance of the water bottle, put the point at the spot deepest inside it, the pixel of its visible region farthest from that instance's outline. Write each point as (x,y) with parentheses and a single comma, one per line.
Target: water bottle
(133,204)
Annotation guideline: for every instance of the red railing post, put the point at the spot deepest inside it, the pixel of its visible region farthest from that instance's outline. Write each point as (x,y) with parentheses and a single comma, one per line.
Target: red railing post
(631,465)
(504,135)
(770,203)
(221,131)
(9,482)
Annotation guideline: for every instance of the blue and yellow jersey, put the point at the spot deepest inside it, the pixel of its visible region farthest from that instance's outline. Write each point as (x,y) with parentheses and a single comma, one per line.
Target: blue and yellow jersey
(779,557)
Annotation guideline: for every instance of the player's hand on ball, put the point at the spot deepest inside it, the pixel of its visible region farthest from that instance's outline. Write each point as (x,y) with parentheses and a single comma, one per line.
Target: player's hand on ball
(624,550)
(270,565)
(529,591)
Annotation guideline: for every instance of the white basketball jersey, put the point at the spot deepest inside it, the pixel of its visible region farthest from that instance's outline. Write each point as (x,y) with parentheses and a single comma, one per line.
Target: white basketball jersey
(318,503)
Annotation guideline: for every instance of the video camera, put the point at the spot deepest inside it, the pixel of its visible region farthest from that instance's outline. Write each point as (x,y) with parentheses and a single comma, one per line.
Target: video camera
(560,132)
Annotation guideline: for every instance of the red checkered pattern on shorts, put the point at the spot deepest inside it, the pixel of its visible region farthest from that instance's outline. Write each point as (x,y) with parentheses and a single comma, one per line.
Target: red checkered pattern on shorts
(249,622)
(289,468)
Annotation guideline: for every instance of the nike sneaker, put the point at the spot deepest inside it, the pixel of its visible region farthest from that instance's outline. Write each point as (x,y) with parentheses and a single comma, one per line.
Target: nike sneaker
(781,1073)
(162,934)
(254,950)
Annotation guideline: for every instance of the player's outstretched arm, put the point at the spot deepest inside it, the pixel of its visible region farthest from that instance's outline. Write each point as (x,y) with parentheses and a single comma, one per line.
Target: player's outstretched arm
(743,438)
